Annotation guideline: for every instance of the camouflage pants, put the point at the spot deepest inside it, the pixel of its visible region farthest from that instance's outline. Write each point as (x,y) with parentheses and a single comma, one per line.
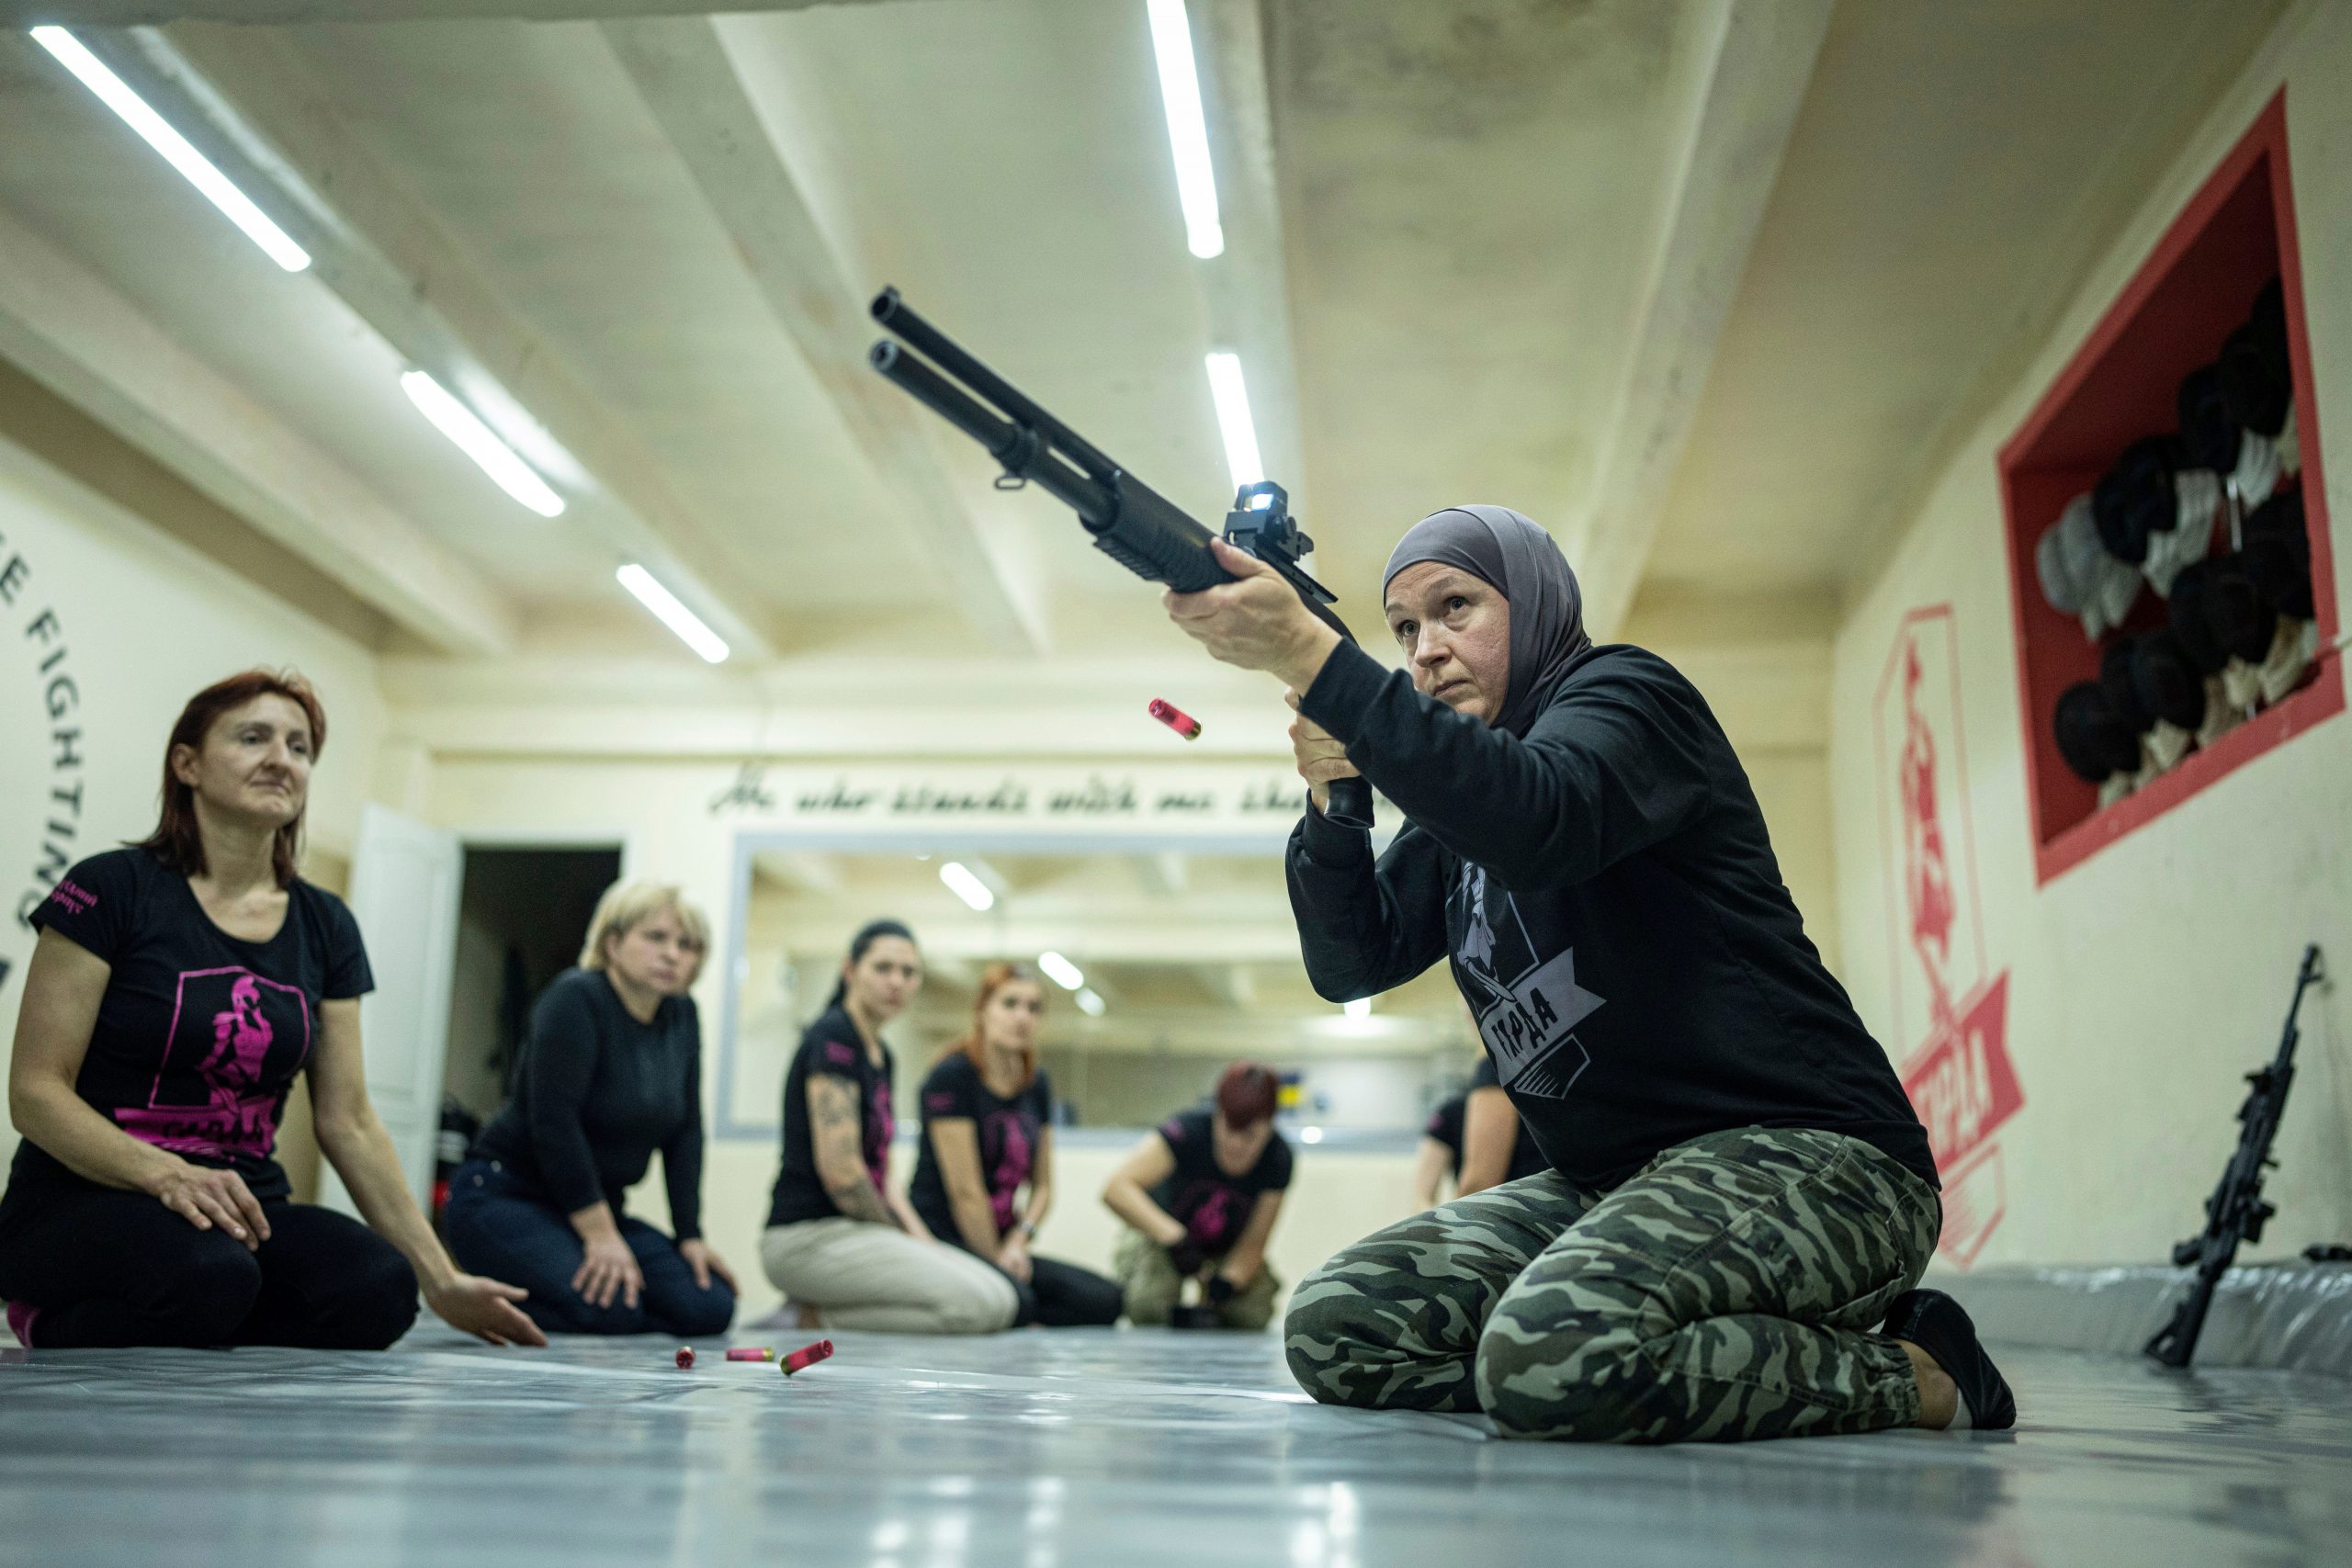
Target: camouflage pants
(1153,1287)
(1724,1291)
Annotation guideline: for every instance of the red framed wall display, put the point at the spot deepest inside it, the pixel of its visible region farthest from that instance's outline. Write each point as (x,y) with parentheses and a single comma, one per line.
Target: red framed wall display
(2234,236)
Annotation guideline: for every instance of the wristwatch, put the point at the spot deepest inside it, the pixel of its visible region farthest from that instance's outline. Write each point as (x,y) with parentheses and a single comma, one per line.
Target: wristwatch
(1028,1231)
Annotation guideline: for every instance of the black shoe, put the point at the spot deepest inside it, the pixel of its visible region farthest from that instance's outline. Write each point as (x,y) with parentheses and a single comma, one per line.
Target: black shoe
(1935,1323)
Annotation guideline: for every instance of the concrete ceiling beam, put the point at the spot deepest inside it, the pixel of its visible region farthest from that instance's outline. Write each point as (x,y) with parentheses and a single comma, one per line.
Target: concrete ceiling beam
(1247,290)
(293,13)
(1756,76)
(250,103)
(92,348)
(684,74)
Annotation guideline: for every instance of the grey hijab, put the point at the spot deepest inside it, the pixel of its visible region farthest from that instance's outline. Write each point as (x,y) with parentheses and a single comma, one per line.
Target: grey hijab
(1508,551)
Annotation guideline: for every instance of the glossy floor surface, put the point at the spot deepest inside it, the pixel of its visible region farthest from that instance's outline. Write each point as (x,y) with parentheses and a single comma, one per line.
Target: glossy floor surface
(1092,1447)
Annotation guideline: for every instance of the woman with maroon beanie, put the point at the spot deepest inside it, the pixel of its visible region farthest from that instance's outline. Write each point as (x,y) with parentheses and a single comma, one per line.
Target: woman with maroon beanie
(1200,1197)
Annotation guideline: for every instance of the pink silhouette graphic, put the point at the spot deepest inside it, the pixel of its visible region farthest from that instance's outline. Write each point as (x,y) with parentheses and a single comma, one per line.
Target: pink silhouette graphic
(218,1093)
(1012,1166)
(241,1038)
(1213,1218)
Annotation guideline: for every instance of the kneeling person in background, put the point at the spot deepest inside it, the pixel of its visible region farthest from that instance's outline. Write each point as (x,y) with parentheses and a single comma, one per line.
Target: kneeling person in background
(987,1132)
(613,1072)
(178,989)
(839,1241)
(1475,1138)
(1205,1189)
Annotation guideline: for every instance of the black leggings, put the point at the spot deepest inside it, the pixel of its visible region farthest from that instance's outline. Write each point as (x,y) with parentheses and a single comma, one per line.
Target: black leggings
(109,1268)
(1063,1295)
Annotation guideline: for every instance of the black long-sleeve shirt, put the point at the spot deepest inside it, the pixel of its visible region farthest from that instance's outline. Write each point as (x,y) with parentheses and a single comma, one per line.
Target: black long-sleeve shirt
(598,1093)
(1607,896)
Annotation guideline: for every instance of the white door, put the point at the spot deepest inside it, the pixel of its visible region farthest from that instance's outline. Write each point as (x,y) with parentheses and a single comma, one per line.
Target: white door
(405,879)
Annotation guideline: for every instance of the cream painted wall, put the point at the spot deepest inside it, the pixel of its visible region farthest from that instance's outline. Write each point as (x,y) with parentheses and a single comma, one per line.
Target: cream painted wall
(2145,981)
(144,621)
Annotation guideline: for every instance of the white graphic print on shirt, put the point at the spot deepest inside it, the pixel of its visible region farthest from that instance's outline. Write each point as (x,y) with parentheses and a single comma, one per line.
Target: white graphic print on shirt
(1527,1003)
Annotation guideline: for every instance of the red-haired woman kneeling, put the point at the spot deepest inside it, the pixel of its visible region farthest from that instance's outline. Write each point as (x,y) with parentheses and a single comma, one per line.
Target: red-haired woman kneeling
(177,988)
(988,1132)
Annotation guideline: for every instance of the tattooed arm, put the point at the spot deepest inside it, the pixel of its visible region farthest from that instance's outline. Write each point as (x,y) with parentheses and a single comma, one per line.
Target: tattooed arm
(834,1131)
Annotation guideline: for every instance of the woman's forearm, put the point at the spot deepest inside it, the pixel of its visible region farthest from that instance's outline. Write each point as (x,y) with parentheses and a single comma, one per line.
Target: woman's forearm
(1041,1204)
(595,1223)
(975,1221)
(1427,1172)
(362,1154)
(1133,1204)
(73,1132)
(903,1212)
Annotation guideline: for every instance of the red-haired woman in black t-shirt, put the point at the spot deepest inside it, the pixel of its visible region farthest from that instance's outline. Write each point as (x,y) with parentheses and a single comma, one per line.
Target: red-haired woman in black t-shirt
(984,1180)
(177,988)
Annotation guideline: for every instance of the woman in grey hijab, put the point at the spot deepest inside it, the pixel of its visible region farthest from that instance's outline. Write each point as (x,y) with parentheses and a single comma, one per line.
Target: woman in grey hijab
(1739,1200)
(1506,550)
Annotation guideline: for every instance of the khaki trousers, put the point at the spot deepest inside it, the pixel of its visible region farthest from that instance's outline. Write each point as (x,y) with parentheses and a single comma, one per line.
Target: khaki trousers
(862,1275)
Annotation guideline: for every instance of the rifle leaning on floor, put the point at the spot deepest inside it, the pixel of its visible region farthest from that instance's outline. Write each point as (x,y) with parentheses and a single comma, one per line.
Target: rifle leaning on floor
(1130,522)
(2236,1212)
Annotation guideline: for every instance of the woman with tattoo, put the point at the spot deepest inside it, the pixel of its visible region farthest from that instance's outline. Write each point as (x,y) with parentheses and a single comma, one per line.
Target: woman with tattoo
(838,1239)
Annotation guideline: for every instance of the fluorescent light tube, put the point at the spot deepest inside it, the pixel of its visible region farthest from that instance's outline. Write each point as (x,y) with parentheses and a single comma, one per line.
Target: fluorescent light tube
(962,883)
(1188,131)
(1359,1008)
(1233,419)
(198,170)
(672,614)
(1091,1004)
(477,441)
(1065,974)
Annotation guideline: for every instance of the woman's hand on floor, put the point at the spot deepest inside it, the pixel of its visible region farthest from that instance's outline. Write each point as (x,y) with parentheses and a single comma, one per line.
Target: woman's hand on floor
(608,1269)
(705,1262)
(485,1309)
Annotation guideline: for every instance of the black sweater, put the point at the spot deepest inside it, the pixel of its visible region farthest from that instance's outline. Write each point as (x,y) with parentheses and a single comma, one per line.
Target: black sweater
(598,1093)
(1607,896)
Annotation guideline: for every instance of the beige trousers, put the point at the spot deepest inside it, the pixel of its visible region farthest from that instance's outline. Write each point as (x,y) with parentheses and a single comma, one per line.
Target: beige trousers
(862,1275)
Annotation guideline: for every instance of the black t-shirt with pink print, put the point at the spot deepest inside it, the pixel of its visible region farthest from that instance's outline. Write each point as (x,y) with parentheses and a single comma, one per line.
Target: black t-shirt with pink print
(1213,1207)
(200,1034)
(1008,1131)
(831,1047)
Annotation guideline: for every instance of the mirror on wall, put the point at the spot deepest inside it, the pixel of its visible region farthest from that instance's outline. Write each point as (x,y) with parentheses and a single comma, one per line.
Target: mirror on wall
(1168,962)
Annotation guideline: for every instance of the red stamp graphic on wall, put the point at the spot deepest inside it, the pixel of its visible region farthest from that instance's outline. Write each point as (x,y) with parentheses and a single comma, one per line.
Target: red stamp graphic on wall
(1950,1010)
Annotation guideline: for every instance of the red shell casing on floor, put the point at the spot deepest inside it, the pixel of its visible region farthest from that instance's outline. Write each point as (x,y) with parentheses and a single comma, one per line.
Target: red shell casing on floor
(807,1356)
(686,1356)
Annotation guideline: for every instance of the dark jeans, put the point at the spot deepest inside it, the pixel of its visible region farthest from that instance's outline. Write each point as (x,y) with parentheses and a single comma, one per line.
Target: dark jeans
(1063,1295)
(496,1227)
(111,1267)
